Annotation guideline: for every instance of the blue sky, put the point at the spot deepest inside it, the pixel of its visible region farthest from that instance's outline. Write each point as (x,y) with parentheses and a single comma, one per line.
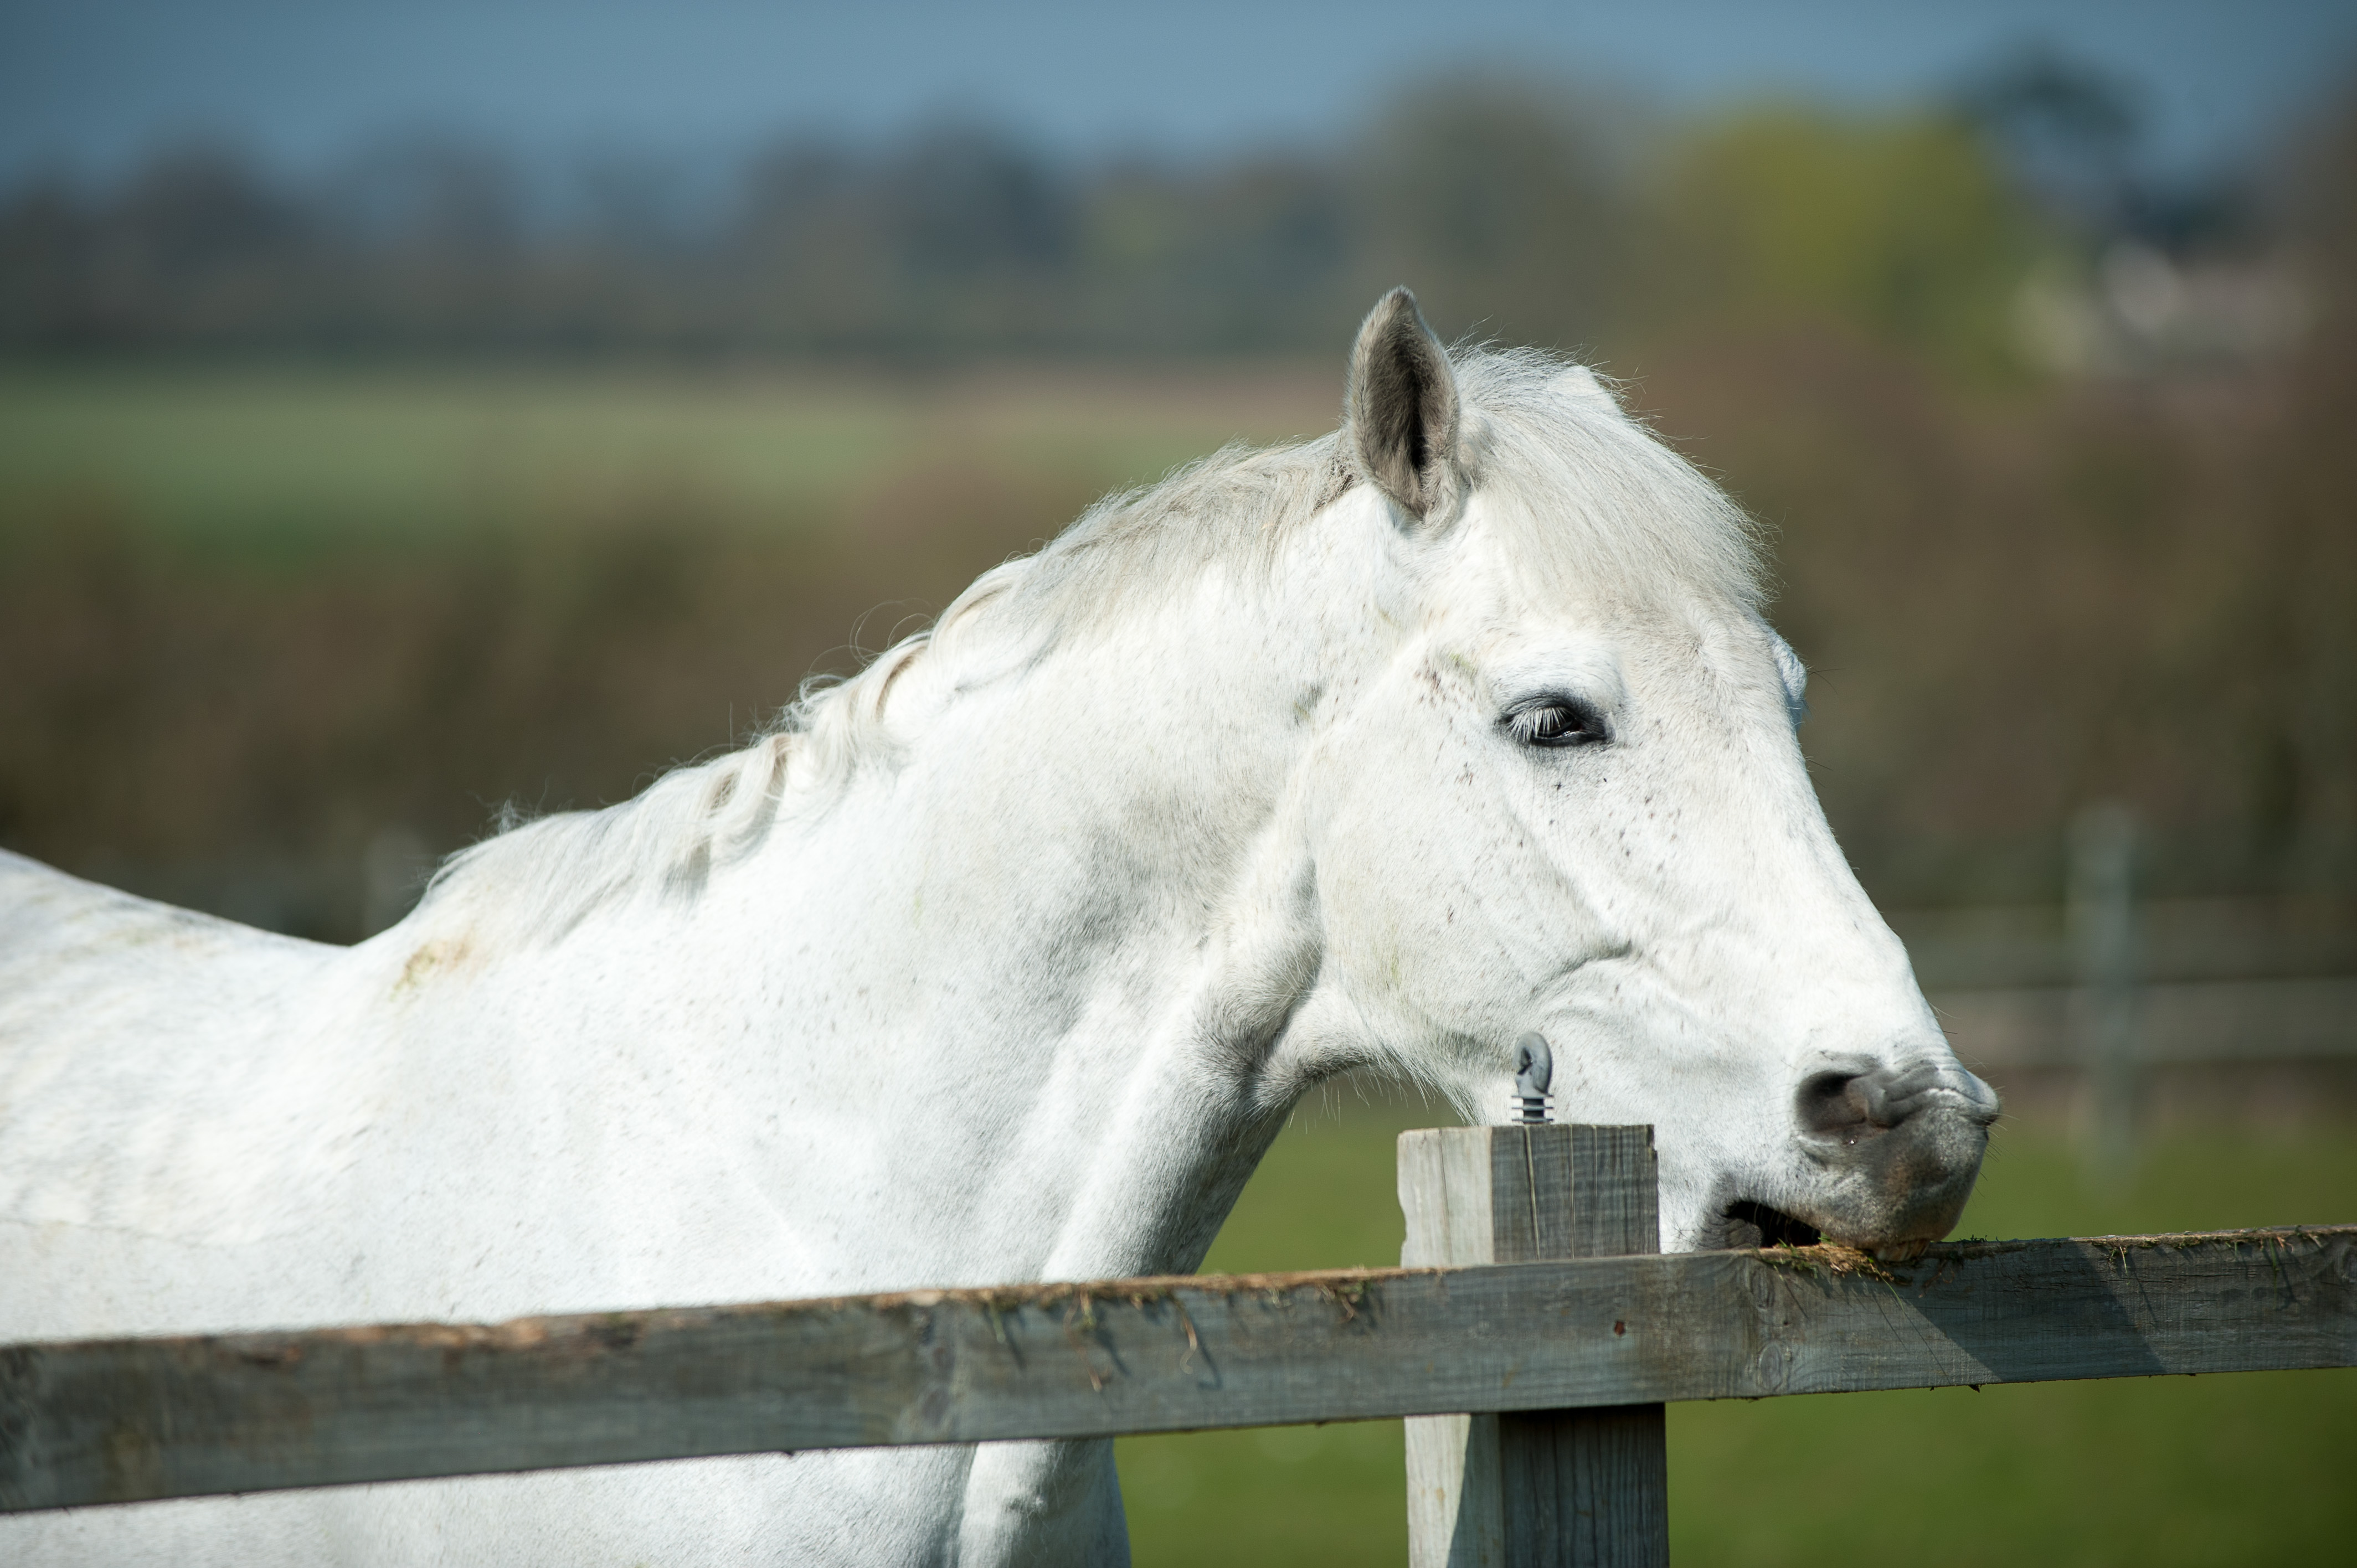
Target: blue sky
(94,84)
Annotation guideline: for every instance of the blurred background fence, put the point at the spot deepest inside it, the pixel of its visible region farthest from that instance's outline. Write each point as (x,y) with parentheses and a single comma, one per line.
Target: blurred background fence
(350,500)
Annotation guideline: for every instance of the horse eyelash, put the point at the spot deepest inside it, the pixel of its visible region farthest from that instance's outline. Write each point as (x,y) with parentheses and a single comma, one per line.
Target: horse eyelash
(1589,726)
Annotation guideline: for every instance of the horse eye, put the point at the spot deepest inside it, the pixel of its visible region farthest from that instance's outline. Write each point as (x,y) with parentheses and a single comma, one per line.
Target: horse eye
(1555,723)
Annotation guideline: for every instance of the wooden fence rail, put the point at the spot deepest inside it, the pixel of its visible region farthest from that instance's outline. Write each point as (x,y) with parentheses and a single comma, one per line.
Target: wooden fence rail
(125,1419)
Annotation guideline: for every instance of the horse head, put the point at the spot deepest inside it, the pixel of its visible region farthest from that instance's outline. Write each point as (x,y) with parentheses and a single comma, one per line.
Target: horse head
(1567,798)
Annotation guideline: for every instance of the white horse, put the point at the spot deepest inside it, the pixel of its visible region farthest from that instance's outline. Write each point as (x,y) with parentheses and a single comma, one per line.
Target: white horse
(1004,962)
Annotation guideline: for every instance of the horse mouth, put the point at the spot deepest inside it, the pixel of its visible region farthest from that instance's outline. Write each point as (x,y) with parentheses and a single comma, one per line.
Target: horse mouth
(1752,1225)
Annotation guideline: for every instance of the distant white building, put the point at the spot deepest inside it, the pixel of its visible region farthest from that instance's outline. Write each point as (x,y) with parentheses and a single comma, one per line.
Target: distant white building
(2140,310)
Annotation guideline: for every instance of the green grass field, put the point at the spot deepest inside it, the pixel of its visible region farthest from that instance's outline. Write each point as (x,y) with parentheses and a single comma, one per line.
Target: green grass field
(333,453)
(2252,1468)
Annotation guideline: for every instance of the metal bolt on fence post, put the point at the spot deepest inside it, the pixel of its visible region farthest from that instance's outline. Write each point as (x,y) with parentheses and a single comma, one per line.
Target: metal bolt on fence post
(1533,1072)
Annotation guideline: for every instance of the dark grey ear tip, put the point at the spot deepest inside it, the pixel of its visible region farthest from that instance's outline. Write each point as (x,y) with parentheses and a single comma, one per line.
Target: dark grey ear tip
(1396,313)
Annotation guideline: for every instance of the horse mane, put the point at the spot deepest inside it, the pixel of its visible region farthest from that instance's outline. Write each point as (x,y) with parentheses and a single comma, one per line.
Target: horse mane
(1596,497)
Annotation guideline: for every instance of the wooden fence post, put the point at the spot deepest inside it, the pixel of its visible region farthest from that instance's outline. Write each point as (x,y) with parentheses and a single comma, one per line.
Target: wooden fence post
(1538,1488)
(2101,913)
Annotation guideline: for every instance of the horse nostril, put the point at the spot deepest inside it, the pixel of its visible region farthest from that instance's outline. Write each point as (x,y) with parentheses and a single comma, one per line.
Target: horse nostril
(1830,1102)
(1853,1105)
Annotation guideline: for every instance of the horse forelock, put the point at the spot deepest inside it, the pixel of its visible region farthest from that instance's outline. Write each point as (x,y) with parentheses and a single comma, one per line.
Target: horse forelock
(1590,495)
(1586,492)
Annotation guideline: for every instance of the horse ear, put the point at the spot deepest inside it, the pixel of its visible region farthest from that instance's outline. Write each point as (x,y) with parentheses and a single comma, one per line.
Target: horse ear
(1402,408)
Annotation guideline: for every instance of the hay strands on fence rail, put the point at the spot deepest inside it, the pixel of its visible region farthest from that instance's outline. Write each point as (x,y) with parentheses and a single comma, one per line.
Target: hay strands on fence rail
(126,1420)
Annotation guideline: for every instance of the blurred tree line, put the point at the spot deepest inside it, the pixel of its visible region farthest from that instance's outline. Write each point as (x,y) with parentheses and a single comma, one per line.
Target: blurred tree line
(1530,213)
(2018,592)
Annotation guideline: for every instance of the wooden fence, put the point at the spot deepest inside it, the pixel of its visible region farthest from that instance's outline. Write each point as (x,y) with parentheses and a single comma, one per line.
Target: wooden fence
(2211,980)
(1516,1314)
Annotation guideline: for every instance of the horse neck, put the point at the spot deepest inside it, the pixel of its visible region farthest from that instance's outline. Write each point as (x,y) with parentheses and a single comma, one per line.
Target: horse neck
(1081,927)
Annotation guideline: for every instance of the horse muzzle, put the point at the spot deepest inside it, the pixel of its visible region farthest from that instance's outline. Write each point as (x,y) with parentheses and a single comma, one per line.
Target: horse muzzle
(1896,1151)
